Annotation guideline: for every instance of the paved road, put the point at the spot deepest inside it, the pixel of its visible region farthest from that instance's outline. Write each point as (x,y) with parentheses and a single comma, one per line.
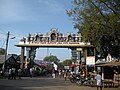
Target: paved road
(45,83)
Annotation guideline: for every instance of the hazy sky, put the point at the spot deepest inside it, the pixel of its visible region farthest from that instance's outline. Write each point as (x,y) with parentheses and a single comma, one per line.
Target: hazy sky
(22,17)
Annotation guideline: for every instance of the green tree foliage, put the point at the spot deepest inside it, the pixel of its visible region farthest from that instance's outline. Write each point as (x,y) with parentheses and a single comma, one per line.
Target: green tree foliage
(99,22)
(2,51)
(51,58)
(67,62)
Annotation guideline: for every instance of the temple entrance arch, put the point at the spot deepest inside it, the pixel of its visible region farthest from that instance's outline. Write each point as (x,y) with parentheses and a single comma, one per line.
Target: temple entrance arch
(53,39)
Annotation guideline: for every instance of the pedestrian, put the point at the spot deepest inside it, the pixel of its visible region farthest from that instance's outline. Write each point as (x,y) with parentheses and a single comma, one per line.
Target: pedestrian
(99,81)
(9,73)
(53,72)
(65,75)
(60,72)
(19,73)
(13,73)
(31,72)
(115,72)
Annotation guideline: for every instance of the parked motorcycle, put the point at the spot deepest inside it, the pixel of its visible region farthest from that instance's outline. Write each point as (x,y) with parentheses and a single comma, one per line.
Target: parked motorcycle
(83,81)
(73,78)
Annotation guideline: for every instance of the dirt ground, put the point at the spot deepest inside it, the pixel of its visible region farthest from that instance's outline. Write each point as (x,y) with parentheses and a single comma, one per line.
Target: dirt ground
(43,83)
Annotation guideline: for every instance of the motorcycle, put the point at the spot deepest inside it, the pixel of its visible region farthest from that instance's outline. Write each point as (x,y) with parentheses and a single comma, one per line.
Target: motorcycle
(73,78)
(83,81)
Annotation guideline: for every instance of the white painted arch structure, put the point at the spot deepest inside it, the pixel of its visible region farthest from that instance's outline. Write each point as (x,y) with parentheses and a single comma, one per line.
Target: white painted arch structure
(52,39)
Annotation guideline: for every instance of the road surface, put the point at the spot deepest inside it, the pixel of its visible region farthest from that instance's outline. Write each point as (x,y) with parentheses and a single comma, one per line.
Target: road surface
(43,83)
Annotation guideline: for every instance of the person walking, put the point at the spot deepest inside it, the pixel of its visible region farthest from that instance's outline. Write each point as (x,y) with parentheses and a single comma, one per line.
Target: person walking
(19,73)
(10,73)
(31,72)
(60,72)
(53,72)
(13,73)
(65,75)
(99,81)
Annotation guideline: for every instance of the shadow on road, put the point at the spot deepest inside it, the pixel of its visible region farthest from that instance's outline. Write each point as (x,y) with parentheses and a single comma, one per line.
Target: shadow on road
(27,83)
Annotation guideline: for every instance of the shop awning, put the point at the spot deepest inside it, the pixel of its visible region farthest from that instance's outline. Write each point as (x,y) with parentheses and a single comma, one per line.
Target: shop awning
(110,64)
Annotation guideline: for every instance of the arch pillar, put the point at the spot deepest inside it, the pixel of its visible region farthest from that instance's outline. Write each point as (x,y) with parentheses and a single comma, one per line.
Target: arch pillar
(22,57)
(74,56)
(32,53)
(31,56)
(27,56)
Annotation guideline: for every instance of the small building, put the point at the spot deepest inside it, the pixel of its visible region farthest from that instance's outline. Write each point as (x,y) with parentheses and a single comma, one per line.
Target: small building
(11,61)
(107,69)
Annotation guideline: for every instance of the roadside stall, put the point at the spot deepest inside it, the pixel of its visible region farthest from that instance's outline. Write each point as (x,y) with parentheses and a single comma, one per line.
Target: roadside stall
(110,74)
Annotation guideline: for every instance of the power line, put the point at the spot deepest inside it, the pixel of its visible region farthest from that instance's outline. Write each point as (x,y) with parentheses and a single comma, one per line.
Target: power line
(11,36)
(2,30)
(3,44)
(2,39)
(2,33)
(14,35)
(17,36)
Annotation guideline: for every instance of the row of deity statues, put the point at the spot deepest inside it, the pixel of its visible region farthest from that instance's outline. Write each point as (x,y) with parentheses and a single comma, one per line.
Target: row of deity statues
(52,36)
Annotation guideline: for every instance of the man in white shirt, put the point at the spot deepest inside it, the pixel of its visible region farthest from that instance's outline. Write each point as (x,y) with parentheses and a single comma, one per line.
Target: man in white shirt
(10,73)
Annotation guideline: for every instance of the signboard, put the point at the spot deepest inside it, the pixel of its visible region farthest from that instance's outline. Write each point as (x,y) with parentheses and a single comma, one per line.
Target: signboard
(90,60)
(80,43)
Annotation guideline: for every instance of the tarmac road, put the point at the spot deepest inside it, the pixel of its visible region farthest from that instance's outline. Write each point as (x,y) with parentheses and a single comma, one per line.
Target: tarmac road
(43,83)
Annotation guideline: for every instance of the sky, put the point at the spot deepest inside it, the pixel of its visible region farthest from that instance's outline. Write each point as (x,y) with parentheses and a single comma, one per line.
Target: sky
(22,17)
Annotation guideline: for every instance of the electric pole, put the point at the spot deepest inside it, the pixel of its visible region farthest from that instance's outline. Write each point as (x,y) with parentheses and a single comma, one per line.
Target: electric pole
(3,68)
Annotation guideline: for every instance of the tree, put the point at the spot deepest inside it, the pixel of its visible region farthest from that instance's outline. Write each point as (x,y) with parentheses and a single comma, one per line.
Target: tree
(67,62)
(99,22)
(2,51)
(51,58)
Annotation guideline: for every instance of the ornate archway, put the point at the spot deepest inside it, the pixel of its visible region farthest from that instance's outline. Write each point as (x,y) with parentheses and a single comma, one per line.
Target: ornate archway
(52,39)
